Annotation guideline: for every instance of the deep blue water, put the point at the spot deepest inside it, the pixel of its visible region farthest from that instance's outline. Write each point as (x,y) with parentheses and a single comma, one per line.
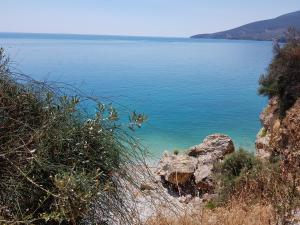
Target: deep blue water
(188,88)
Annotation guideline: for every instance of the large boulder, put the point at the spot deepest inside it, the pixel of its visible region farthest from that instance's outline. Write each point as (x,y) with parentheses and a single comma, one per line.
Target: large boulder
(193,168)
(216,146)
(213,149)
(177,169)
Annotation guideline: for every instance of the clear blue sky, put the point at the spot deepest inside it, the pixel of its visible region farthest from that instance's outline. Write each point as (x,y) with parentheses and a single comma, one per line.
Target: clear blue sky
(136,17)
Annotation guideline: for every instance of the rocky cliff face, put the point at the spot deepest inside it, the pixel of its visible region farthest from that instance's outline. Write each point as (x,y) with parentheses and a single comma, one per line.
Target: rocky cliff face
(288,138)
(269,119)
(280,137)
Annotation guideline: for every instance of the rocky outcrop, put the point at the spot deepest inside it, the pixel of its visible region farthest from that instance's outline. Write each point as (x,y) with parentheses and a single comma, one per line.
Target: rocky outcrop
(177,169)
(215,146)
(280,139)
(270,120)
(192,169)
(280,136)
(285,140)
(262,144)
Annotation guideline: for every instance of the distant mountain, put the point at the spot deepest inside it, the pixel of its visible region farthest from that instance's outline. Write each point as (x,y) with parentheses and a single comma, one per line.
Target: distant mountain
(262,30)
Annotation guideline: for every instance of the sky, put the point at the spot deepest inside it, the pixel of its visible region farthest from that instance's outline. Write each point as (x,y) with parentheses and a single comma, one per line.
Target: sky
(174,18)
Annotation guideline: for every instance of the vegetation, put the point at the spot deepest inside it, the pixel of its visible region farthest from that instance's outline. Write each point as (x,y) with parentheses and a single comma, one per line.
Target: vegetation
(176,152)
(283,76)
(231,171)
(57,163)
(248,191)
(235,213)
(243,178)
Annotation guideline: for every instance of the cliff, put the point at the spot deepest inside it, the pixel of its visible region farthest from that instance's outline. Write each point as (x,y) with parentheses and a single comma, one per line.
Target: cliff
(280,137)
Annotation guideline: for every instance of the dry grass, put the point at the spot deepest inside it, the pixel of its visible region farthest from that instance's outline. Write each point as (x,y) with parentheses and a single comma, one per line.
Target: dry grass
(237,214)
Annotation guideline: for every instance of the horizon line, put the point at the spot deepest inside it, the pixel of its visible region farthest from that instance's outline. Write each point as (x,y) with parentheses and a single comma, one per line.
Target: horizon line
(89,34)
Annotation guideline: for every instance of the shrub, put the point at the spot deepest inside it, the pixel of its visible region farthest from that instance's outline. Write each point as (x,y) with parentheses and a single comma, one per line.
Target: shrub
(283,76)
(229,172)
(55,160)
(243,178)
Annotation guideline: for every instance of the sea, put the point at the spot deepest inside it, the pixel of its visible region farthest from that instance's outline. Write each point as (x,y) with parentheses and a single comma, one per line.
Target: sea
(189,88)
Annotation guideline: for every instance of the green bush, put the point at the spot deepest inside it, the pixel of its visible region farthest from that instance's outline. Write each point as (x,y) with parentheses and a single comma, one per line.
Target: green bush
(55,160)
(210,205)
(229,172)
(283,76)
(241,177)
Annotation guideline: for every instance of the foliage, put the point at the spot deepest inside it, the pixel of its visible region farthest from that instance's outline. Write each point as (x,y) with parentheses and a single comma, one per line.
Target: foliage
(243,178)
(229,172)
(211,205)
(283,76)
(55,161)
(176,152)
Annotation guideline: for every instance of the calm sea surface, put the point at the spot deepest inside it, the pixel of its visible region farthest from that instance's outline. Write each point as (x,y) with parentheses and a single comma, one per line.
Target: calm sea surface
(188,88)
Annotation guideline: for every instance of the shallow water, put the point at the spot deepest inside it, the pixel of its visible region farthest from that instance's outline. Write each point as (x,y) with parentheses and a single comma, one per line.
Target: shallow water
(188,88)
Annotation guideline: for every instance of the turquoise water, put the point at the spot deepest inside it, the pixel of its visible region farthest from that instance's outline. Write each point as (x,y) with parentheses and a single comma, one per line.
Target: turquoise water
(188,88)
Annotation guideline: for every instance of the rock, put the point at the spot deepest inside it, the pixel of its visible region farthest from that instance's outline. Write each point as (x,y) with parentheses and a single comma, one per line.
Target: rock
(278,136)
(182,199)
(262,144)
(146,187)
(202,172)
(270,113)
(213,149)
(192,170)
(270,120)
(177,169)
(185,199)
(286,139)
(281,137)
(217,144)
(294,218)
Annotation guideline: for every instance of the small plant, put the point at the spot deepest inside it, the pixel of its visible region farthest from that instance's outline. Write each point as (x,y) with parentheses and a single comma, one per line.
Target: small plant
(211,205)
(176,152)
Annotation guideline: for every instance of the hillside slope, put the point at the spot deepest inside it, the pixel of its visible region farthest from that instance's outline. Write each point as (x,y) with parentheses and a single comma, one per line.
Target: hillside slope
(262,30)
